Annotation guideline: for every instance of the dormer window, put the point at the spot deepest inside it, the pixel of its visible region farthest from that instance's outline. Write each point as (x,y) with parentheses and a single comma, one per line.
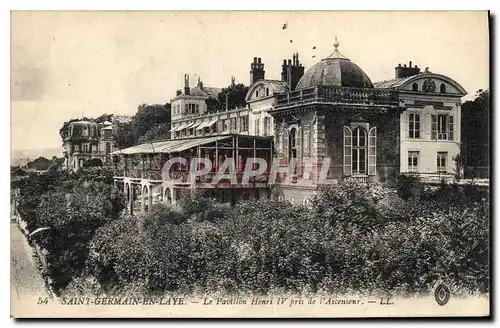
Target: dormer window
(257,94)
(442,88)
(414,87)
(267,92)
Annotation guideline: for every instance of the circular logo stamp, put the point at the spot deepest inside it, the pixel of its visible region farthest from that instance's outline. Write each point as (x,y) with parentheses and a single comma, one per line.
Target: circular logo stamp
(442,294)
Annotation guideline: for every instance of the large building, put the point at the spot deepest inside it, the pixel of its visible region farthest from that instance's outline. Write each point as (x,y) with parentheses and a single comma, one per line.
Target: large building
(84,141)
(330,120)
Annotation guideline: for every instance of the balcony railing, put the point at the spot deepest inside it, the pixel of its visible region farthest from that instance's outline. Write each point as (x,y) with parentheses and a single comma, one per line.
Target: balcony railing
(139,174)
(338,95)
(183,177)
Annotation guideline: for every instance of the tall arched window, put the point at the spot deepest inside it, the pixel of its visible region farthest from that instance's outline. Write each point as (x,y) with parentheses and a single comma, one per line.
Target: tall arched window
(359,147)
(442,88)
(414,87)
(292,144)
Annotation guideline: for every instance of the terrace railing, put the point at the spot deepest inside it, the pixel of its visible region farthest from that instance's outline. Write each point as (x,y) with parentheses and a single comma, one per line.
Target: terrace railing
(338,95)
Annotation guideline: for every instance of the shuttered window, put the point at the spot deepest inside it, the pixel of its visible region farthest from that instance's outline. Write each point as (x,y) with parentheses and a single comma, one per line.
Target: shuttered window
(451,129)
(434,127)
(347,151)
(372,151)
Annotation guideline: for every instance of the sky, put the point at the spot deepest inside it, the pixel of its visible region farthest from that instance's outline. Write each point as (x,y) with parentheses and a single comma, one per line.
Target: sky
(68,64)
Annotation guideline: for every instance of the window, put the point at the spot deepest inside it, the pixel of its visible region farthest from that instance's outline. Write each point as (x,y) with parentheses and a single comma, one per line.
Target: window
(267,126)
(108,147)
(233,124)
(257,127)
(292,199)
(413,161)
(414,87)
(292,144)
(442,88)
(257,94)
(442,127)
(441,161)
(244,123)
(267,92)
(414,125)
(358,151)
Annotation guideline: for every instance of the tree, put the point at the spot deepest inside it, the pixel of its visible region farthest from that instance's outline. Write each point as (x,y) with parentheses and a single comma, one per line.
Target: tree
(235,93)
(148,116)
(72,219)
(155,133)
(475,132)
(149,123)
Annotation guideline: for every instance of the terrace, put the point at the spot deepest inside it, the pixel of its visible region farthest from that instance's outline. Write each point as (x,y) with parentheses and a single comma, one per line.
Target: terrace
(340,95)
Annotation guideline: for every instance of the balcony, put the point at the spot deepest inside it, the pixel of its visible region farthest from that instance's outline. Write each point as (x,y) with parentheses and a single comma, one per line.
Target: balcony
(341,95)
(183,177)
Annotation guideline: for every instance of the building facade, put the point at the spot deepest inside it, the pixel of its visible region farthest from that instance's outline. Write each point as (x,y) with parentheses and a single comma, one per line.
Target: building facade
(84,141)
(320,126)
(430,125)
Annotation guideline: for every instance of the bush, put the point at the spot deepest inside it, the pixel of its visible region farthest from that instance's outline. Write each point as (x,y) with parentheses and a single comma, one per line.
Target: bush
(408,186)
(355,238)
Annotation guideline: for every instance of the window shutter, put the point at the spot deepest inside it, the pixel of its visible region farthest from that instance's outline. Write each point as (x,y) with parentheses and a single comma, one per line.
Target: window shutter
(306,144)
(451,129)
(299,143)
(347,151)
(372,151)
(410,125)
(434,127)
(285,144)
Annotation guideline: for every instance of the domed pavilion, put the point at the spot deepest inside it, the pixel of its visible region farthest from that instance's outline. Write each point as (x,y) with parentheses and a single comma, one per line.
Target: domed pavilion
(336,121)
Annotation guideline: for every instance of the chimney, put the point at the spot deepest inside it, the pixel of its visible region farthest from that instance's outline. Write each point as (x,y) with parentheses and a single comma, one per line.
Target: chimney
(200,83)
(257,71)
(187,90)
(284,70)
(292,71)
(404,71)
(178,92)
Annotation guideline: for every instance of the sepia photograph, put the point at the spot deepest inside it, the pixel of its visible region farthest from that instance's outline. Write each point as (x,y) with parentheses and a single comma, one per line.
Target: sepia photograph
(250,164)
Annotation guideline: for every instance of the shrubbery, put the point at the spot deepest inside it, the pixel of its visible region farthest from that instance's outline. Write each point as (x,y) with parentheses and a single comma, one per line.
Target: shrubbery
(73,207)
(354,238)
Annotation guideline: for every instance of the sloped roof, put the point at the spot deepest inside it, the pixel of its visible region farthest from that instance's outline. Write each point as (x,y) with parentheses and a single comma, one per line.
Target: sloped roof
(394,83)
(169,146)
(204,91)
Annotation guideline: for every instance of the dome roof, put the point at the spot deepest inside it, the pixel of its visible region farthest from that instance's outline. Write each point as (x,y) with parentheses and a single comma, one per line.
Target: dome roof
(336,70)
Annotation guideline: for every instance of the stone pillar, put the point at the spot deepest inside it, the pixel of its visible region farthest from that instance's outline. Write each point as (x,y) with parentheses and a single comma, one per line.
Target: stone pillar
(173,194)
(150,197)
(143,200)
(131,198)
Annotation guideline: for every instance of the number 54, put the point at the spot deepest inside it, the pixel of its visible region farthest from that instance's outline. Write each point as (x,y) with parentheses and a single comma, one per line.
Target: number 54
(42,300)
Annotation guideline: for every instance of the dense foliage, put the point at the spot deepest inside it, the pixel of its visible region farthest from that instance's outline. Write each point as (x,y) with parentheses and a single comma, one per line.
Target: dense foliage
(151,122)
(353,238)
(230,97)
(73,206)
(475,134)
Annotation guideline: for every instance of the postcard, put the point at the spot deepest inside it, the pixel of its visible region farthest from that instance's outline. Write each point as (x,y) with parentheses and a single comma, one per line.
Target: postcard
(246,164)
